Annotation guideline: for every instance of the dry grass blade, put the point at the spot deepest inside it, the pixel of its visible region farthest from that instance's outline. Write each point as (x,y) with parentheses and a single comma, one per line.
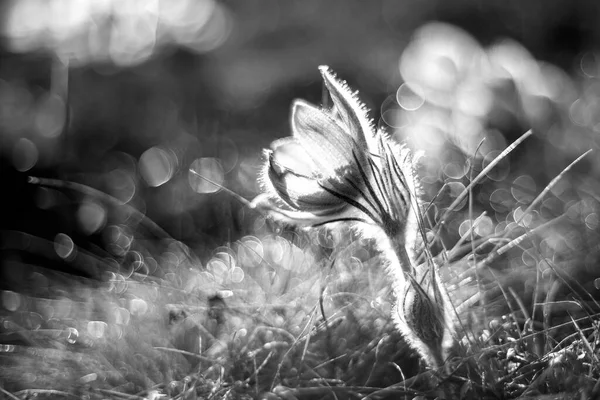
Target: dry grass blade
(187,353)
(549,302)
(257,369)
(120,395)
(377,350)
(551,185)
(227,190)
(548,187)
(558,346)
(8,394)
(44,392)
(469,233)
(567,281)
(520,303)
(496,252)
(481,175)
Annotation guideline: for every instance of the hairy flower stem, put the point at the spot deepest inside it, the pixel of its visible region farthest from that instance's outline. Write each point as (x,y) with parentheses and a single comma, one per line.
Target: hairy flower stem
(403,258)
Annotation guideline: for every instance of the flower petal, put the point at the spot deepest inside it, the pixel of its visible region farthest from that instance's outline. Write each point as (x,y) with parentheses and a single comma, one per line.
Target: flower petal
(301,218)
(300,191)
(325,141)
(351,111)
(290,155)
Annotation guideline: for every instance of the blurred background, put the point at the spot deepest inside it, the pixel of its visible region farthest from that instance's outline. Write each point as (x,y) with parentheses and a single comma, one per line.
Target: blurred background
(128,96)
(134,98)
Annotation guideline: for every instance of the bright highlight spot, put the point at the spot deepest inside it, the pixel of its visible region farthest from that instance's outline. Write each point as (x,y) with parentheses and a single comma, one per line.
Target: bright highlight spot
(72,335)
(464,227)
(523,219)
(50,116)
(501,200)
(121,185)
(11,300)
(455,189)
(589,65)
(63,245)
(118,239)
(123,32)
(237,275)
(408,99)
(25,155)
(485,226)
(218,269)
(138,307)
(96,329)
(591,221)
(524,189)
(157,166)
(501,170)
(391,113)
(62,307)
(250,251)
(274,248)
(91,217)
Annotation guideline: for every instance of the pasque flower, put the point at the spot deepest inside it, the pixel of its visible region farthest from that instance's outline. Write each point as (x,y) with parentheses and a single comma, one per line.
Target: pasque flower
(337,167)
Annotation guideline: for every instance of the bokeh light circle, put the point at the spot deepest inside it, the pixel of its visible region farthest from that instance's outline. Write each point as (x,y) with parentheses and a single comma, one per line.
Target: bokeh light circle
(500,170)
(91,217)
(501,200)
(157,166)
(524,189)
(64,246)
(25,155)
(408,99)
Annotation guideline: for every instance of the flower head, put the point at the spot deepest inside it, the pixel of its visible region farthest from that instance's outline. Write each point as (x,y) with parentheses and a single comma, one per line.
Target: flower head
(337,167)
